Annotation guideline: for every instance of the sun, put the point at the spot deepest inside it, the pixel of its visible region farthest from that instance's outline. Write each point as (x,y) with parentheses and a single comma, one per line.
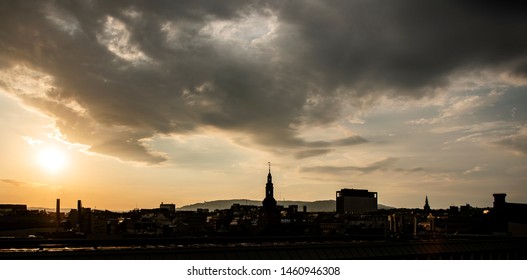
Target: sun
(52,159)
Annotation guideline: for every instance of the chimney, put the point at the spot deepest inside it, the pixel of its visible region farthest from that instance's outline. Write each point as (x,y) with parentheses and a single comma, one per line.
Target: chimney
(500,213)
(79,211)
(58,213)
(499,200)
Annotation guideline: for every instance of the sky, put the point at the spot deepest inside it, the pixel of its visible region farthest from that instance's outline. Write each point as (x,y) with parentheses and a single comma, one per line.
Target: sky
(127,104)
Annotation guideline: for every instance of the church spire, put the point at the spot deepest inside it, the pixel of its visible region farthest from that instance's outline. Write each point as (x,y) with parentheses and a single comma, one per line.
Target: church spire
(270,214)
(269,176)
(427,206)
(269,200)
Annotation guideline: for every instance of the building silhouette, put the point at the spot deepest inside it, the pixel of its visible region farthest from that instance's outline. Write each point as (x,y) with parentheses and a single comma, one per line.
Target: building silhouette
(355,201)
(170,207)
(269,216)
(269,202)
(509,218)
(427,206)
(12,209)
(464,232)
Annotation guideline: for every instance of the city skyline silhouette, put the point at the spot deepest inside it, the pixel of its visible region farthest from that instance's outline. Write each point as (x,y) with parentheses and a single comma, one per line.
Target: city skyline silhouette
(464,232)
(396,130)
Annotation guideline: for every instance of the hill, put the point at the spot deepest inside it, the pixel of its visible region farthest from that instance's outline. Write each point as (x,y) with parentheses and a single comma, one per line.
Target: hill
(312,206)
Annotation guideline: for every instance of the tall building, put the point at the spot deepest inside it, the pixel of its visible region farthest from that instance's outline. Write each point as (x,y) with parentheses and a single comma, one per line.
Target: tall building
(355,201)
(269,214)
(269,202)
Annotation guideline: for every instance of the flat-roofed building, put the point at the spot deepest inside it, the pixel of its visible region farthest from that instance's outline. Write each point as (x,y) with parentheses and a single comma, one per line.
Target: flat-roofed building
(355,201)
(170,207)
(12,209)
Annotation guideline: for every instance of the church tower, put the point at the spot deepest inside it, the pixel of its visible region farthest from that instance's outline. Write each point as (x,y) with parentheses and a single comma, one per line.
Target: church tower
(427,207)
(269,202)
(269,219)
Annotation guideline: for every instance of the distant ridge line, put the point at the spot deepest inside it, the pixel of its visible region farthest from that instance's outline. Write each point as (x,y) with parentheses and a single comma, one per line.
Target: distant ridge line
(312,206)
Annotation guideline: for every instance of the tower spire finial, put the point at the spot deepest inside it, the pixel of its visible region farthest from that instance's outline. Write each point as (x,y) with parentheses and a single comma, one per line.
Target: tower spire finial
(269,176)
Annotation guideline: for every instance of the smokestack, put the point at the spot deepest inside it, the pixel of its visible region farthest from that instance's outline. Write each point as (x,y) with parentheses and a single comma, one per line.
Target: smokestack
(79,211)
(58,213)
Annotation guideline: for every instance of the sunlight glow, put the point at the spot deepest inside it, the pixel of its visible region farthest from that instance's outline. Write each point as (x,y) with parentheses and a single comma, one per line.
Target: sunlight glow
(52,159)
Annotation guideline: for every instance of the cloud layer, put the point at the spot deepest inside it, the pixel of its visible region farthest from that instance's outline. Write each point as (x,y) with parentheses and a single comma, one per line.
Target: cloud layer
(114,74)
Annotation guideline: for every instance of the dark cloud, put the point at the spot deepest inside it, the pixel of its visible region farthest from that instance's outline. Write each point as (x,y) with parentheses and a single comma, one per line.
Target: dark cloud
(136,69)
(407,44)
(521,69)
